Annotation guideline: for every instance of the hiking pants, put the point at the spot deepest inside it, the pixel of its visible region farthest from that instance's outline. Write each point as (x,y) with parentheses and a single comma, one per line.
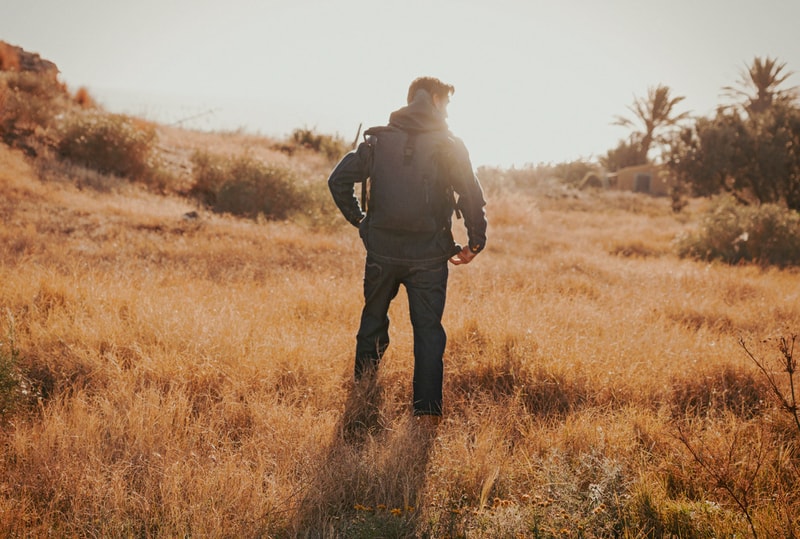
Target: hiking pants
(426,286)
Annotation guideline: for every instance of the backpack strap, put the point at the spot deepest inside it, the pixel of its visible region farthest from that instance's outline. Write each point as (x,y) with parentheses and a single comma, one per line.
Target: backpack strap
(447,161)
(369,140)
(364,192)
(408,151)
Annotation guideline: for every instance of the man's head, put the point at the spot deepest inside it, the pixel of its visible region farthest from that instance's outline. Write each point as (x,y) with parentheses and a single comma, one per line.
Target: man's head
(439,91)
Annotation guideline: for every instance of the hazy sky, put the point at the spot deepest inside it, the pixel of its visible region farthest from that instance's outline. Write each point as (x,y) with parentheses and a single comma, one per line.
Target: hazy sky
(536,81)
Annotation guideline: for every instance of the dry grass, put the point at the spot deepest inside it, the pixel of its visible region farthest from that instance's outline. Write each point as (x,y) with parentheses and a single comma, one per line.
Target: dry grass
(192,377)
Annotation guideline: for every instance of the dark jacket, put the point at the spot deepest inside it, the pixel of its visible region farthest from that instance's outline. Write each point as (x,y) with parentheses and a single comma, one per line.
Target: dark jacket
(395,246)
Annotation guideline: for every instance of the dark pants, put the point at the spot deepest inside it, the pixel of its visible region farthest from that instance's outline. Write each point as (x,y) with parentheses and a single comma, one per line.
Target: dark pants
(426,286)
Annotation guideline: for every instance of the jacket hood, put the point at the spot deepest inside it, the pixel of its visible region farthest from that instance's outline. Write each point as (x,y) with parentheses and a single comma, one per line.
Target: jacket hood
(419,115)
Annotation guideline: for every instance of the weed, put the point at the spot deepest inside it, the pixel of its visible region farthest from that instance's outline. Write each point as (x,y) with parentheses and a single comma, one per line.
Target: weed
(9,375)
(787,398)
(738,458)
(728,464)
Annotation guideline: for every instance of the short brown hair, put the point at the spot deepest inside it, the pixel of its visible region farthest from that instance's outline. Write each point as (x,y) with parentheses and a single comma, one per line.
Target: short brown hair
(432,85)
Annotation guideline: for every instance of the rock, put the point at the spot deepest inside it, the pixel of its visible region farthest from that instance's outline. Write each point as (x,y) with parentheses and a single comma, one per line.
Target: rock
(13,58)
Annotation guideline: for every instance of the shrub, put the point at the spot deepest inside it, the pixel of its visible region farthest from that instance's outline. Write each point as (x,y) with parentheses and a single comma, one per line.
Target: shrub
(245,186)
(332,146)
(768,234)
(110,144)
(84,99)
(29,103)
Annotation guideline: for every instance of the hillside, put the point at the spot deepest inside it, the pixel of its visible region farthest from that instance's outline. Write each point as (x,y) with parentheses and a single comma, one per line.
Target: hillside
(170,370)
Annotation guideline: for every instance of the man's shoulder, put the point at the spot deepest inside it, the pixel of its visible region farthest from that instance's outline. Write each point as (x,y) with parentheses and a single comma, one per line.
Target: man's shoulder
(457,143)
(454,148)
(378,130)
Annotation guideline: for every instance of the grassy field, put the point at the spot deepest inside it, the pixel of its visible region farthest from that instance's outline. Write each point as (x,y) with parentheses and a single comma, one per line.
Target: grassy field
(180,376)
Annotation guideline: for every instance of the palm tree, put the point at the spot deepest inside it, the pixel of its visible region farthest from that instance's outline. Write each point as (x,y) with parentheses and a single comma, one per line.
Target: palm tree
(758,85)
(655,113)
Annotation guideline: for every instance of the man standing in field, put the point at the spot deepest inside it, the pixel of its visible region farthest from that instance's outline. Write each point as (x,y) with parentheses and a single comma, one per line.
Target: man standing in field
(414,175)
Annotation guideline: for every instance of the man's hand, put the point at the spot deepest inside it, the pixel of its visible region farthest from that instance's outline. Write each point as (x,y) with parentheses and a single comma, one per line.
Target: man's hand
(465,256)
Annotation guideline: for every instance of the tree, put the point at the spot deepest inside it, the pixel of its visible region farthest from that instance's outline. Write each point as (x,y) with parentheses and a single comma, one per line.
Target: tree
(756,159)
(627,154)
(656,114)
(758,86)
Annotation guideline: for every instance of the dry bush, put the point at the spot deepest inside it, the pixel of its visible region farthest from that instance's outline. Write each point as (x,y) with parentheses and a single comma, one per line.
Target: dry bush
(110,144)
(245,186)
(746,468)
(84,99)
(29,106)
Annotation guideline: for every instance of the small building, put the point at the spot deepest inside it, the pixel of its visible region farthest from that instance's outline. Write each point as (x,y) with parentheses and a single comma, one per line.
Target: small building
(652,179)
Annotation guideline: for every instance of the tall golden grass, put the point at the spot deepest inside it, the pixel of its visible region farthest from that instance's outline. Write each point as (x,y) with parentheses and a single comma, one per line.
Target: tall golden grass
(192,377)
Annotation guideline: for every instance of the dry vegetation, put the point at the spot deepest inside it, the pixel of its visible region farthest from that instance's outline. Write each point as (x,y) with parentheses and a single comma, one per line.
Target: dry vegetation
(182,376)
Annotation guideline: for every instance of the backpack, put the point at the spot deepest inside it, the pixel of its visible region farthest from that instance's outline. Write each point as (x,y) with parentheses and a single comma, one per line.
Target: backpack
(408,189)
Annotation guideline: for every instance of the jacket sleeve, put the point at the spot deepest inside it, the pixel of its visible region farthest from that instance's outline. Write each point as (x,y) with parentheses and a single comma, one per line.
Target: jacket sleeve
(470,197)
(352,169)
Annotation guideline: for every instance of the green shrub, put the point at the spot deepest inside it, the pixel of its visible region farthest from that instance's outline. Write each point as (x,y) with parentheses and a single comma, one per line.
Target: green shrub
(245,186)
(767,234)
(111,144)
(756,157)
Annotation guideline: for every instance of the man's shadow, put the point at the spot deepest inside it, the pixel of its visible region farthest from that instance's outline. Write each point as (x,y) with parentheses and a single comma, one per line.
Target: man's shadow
(374,468)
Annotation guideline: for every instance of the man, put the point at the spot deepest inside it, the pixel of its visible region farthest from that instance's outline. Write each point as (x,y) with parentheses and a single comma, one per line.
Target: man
(411,172)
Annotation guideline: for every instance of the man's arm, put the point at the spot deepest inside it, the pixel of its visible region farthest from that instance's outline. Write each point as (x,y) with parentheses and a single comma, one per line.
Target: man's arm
(352,169)
(470,203)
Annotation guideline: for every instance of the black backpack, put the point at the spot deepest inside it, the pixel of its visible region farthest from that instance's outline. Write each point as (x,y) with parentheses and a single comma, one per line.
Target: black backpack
(408,188)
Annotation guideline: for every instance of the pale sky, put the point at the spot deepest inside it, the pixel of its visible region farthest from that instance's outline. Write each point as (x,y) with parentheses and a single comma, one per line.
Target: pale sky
(536,81)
